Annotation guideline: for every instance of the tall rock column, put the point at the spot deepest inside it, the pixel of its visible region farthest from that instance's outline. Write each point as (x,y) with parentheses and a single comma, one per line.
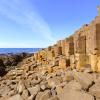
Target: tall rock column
(80,50)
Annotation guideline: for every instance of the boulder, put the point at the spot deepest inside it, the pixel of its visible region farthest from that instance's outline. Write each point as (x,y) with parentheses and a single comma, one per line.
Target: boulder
(73,85)
(59,90)
(15,97)
(95,90)
(43,87)
(4,90)
(34,90)
(53,82)
(32,97)
(72,94)
(43,95)
(11,93)
(25,95)
(21,86)
(84,79)
(68,76)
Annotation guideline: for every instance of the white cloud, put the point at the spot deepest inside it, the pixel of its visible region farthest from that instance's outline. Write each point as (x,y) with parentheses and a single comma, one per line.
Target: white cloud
(23,14)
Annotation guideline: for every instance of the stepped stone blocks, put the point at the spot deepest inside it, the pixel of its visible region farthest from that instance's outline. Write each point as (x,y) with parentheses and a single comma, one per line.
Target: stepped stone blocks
(76,36)
(79,50)
(50,55)
(36,56)
(57,50)
(94,61)
(64,63)
(88,42)
(69,46)
(72,61)
(63,46)
(80,60)
(80,44)
(98,37)
(49,48)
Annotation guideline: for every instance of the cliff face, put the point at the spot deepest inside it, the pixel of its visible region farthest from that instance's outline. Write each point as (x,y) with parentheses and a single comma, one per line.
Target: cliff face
(63,71)
(80,49)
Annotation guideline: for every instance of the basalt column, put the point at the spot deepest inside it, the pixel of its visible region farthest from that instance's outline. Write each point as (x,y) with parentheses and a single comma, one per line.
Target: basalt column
(80,53)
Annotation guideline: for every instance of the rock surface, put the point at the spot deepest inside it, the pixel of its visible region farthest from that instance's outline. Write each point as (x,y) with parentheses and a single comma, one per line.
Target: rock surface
(64,71)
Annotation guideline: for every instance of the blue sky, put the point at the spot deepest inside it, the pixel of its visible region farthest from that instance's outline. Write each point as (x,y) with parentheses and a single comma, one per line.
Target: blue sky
(40,23)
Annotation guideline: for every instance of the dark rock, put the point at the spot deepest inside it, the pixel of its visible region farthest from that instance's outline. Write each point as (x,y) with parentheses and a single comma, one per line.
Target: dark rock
(11,60)
(2,68)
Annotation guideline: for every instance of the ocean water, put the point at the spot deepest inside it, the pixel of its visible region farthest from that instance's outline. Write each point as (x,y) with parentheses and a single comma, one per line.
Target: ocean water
(18,50)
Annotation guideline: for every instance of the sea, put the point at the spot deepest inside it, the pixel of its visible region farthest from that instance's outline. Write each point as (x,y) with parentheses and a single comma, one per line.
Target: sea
(18,50)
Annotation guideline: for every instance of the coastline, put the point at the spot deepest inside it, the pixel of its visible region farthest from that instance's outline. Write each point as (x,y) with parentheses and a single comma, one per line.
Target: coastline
(18,50)
(65,71)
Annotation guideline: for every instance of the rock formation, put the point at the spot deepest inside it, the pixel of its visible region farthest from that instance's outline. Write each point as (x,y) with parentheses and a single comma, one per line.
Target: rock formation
(82,49)
(68,70)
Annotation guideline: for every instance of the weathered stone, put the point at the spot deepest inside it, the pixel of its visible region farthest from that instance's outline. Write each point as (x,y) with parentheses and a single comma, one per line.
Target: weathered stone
(43,95)
(68,76)
(11,93)
(80,60)
(70,94)
(54,98)
(53,82)
(97,99)
(36,56)
(21,87)
(64,63)
(58,50)
(84,79)
(34,90)
(50,69)
(50,55)
(32,97)
(95,90)
(69,46)
(73,85)
(72,61)
(4,90)
(4,98)
(81,45)
(15,97)
(86,69)
(43,87)
(94,60)
(59,90)
(25,94)
(63,46)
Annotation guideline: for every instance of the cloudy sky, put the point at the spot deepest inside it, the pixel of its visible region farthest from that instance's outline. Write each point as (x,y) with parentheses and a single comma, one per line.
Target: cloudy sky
(39,23)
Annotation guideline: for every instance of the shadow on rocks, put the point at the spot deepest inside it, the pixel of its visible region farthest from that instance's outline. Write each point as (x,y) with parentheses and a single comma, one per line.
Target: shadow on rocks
(2,68)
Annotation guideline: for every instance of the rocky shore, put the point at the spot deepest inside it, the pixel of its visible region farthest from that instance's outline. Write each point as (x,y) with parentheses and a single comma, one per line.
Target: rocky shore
(68,70)
(10,61)
(29,82)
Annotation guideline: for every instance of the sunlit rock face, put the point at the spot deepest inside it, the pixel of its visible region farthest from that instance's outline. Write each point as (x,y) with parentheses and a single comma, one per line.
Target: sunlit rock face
(81,49)
(64,71)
